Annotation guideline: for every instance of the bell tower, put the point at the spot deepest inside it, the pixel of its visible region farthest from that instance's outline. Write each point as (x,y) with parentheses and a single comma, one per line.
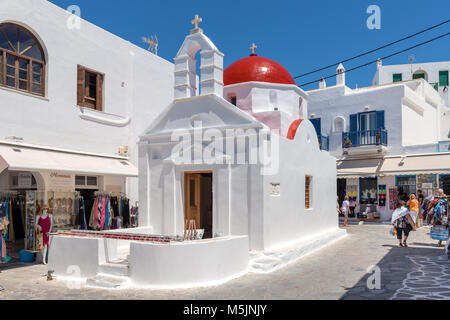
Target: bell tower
(211,65)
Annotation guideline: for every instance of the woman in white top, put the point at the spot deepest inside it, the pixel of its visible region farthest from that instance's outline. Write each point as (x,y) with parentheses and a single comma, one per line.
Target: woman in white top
(345,210)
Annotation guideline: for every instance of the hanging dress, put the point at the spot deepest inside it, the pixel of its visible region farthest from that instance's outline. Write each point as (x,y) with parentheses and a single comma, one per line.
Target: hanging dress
(45,225)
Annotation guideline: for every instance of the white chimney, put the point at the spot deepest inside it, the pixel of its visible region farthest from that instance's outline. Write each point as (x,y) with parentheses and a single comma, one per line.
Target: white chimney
(340,75)
(379,64)
(322,84)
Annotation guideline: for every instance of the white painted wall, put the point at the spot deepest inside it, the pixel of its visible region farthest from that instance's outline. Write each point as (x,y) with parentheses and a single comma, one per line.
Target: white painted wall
(137,86)
(276,105)
(385,74)
(285,218)
(188,264)
(242,204)
(401,119)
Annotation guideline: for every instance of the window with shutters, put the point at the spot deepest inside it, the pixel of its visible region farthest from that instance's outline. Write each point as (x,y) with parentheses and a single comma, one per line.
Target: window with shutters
(308,192)
(90,89)
(22,61)
(443,78)
(397,77)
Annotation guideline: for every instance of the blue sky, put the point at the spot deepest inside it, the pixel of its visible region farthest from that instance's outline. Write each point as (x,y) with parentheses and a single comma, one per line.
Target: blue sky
(301,35)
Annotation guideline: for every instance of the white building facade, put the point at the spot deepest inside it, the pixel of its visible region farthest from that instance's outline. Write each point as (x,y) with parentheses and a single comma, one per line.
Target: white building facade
(389,139)
(436,73)
(74,98)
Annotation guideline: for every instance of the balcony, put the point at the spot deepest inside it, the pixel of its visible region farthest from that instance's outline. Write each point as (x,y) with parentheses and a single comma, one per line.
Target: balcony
(355,139)
(444,146)
(324,142)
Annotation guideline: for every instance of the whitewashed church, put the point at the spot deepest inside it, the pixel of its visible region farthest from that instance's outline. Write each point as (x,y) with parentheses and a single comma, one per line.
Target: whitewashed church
(234,159)
(236,154)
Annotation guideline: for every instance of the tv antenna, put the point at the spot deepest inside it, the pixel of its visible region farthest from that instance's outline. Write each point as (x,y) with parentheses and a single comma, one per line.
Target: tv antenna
(152,41)
(412,59)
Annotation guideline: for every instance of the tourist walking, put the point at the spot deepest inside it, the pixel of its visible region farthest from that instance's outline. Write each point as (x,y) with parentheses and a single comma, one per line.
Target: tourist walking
(345,210)
(403,223)
(413,205)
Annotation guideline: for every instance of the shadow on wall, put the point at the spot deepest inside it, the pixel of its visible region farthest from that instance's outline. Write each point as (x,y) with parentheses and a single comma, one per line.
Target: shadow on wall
(407,274)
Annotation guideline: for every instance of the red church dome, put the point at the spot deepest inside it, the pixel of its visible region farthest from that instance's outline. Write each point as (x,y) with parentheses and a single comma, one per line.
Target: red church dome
(255,68)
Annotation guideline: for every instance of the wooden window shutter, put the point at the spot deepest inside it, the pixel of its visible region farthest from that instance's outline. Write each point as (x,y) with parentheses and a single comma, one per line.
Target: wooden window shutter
(443,78)
(80,86)
(99,101)
(307,192)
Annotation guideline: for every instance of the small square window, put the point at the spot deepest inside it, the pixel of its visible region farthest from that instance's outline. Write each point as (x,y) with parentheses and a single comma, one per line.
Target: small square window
(397,77)
(80,180)
(92,181)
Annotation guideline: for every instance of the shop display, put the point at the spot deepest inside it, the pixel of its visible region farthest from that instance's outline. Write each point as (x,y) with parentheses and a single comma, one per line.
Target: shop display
(352,192)
(436,210)
(368,188)
(44,224)
(393,198)
(62,208)
(134,216)
(110,212)
(4,223)
(32,205)
(382,195)
(406,186)
(427,183)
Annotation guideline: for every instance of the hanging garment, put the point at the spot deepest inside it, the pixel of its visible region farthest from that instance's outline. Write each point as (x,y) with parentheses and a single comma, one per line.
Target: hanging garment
(12,234)
(107,214)
(84,225)
(102,218)
(18,225)
(45,224)
(126,212)
(3,249)
(115,207)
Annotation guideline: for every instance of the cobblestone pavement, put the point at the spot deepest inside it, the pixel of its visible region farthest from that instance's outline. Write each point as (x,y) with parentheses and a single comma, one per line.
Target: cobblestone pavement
(339,271)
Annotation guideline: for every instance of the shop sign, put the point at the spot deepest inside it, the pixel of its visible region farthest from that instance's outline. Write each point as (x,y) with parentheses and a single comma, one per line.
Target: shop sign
(427,185)
(61,180)
(24,180)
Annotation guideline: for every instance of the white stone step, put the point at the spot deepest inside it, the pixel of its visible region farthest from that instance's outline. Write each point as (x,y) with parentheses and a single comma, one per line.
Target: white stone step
(120,268)
(106,282)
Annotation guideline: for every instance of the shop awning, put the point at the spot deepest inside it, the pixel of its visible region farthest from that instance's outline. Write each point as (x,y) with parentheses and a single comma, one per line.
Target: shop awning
(21,158)
(420,164)
(358,168)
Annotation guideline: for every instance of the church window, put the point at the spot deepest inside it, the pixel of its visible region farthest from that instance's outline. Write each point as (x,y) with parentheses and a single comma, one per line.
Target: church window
(90,89)
(308,194)
(22,61)
(233,100)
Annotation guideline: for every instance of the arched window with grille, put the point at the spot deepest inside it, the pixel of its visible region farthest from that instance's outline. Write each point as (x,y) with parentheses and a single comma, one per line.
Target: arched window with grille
(22,60)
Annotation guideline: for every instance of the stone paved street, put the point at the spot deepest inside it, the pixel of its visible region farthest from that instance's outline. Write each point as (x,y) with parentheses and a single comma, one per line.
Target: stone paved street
(421,271)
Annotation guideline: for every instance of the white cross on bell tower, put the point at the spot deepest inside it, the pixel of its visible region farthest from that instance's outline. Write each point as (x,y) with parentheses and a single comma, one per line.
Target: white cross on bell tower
(253,48)
(197,20)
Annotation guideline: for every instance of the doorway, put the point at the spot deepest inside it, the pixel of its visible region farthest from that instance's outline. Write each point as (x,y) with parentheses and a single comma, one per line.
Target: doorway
(445,183)
(198,201)
(88,196)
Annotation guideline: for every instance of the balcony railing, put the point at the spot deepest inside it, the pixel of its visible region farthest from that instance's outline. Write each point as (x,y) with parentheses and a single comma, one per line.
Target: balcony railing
(444,146)
(324,142)
(435,85)
(365,138)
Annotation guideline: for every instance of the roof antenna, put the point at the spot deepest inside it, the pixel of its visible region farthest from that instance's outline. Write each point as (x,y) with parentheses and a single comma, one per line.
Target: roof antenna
(152,41)
(412,59)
